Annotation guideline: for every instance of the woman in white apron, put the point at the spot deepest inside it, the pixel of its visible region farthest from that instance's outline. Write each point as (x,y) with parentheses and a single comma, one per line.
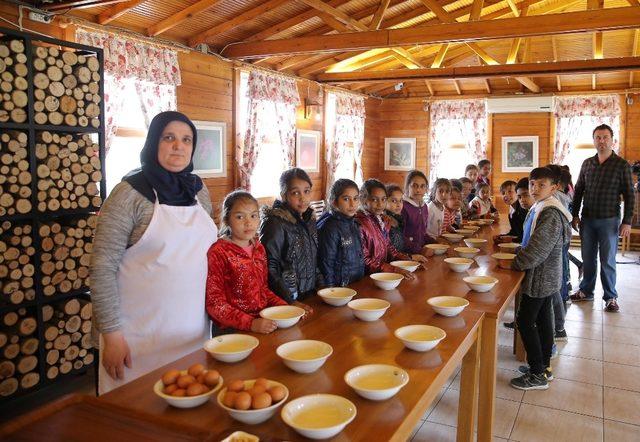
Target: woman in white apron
(149,264)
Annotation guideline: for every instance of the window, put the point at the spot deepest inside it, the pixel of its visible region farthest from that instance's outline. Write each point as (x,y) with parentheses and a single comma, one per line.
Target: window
(455,156)
(270,158)
(124,153)
(346,166)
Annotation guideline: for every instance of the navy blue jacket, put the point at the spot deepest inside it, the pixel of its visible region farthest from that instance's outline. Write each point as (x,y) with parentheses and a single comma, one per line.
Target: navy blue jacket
(340,256)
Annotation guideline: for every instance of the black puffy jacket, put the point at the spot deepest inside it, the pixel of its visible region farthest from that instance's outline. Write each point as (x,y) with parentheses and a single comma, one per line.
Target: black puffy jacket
(340,256)
(291,242)
(396,232)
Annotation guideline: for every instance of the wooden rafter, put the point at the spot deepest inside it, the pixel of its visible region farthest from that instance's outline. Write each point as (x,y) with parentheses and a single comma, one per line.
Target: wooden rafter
(634,52)
(515,43)
(514,8)
(566,67)
(442,52)
(376,20)
(554,47)
(181,16)
(429,87)
(116,11)
(571,22)
(476,10)
(597,39)
(226,25)
(457,86)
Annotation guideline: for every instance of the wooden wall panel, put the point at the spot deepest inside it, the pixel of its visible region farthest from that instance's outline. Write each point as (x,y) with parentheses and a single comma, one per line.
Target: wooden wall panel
(402,118)
(508,125)
(314,122)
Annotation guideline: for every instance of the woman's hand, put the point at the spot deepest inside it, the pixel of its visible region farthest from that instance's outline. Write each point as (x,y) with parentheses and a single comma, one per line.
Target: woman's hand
(115,354)
(307,309)
(261,325)
(421,259)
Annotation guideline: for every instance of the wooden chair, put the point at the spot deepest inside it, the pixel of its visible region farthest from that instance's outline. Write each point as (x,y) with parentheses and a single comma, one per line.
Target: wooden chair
(626,242)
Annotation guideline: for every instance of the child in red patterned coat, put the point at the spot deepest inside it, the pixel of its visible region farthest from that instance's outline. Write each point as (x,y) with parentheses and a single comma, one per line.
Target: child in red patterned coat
(237,278)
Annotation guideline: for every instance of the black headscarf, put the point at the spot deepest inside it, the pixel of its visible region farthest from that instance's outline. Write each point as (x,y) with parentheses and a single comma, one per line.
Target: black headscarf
(173,188)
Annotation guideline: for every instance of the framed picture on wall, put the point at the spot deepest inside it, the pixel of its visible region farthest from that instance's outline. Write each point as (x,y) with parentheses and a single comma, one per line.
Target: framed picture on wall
(399,153)
(308,150)
(209,160)
(519,154)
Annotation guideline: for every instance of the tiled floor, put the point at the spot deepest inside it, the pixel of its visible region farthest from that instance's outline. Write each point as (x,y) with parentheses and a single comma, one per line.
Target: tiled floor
(596,392)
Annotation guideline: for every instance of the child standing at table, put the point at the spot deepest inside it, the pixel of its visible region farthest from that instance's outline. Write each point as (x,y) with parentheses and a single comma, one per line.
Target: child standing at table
(546,231)
(471,173)
(374,225)
(394,211)
(416,214)
(439,196)
(481,205)
(467,186)
(517,212)
(237,286)
(340,255)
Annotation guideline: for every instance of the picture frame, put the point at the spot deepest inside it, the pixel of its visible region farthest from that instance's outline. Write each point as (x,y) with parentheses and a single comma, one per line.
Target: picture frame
(308,150)
(399,154)
(520,154)
(210,157)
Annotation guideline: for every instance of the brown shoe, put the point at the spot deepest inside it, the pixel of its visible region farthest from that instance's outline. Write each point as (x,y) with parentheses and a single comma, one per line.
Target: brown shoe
(612,306)
(580,296)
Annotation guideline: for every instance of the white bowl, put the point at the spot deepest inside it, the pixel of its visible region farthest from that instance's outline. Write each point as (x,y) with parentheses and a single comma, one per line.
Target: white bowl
(471,227)
(376,381)
(453,237)
(304,356)
(420,337)
(486,221)
(369,309)
(337,296)
(508,247)
(504,259)
(459,264)
(386,281)
(438,249)
(318,416)
(448,305)
(467,252)
(409,266)
(185,401)
(480,283)
(475,242)
(465,232)
(284,315)
(231,348)
(252,417)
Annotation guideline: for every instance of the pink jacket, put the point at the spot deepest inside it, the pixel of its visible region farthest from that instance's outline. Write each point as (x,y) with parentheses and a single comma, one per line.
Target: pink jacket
(376,246)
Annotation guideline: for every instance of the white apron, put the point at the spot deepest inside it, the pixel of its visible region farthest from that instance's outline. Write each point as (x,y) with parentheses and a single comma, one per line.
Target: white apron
(161,281)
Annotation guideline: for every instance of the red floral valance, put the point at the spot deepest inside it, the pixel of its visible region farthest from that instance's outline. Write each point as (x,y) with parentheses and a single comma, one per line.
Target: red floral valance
(603,106)
(124,58)
(457,110)
(350,104)
(274,88)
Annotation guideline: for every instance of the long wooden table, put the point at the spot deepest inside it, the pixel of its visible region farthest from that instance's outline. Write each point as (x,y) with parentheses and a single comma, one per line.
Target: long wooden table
(354,343)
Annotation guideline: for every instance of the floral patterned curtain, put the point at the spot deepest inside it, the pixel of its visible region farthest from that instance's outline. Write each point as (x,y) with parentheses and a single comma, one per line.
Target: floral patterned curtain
(268,94)
(471,119)
(348,132)
(574,114)
(156,69)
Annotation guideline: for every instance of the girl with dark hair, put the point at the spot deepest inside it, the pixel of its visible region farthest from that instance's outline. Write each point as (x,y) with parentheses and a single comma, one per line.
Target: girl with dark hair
(439,196)
(149,258)
(288,233)
(340,250)
(237,280)
(416,214)
(374,225)
(394,212)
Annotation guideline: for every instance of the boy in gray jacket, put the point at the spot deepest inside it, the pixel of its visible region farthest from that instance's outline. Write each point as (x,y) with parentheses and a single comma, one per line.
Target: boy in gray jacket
(546,231)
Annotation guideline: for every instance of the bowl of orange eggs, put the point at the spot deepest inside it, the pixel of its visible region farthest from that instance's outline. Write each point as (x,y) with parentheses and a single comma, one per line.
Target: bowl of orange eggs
(252,401)
(188,388)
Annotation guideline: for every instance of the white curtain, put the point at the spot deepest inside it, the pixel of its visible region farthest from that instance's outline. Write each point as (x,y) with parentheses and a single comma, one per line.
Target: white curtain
(347,131)
(155,69)
(575,114)
(469,117)
(268,96)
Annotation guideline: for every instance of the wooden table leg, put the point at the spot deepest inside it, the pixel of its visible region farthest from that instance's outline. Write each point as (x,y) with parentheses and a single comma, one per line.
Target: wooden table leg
(488,364)
(468,399)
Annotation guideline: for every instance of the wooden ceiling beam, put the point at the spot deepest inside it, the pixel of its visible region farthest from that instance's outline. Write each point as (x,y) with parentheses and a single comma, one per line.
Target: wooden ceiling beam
(376,20)
(116,11)
(515,44)
(634,52)
(567,67)
(476,10)
(571,22)
(442,52)
(227,25)
(554,47)
(180,17)
(457,86)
